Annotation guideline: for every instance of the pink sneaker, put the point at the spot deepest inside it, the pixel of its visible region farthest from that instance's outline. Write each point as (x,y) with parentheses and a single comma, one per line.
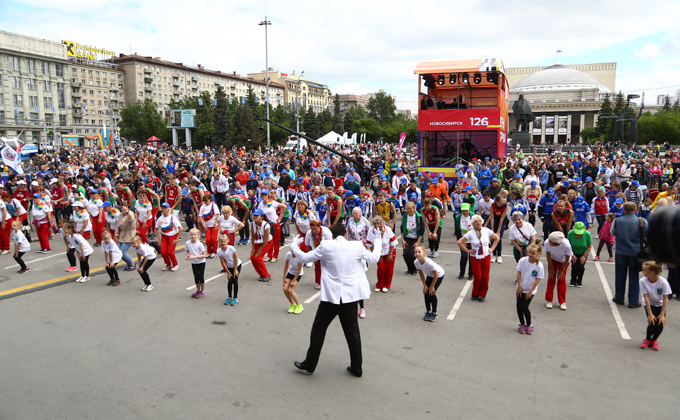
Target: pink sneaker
(70,269)
(175,268)
(193,295)
(362,313)
(655,345)
(530,329)
(610,259)
(522,329)
(645,344)
(597,258)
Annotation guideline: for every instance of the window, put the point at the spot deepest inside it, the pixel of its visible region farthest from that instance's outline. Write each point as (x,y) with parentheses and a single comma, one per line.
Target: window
(74,70)
(89,72)
(19,117)
(33,117)
(30,65)
(91,101)
(83,81)
(48,118)
(86,122)
(47,86)
(101,122)
(82,71)
(78,130)
(61,95)
(139,84)
(120,77)
(31,84)
(99,93)
(92,92)
(141,94)
(16,82)
(99,103)
(104,74)
(59,69)
(139,66)
(62,119)
(105,85)
(97,73)
(18,100)
(2,119)
(48,102)
(32,101)
(2,102)
(45,67)
(14,63)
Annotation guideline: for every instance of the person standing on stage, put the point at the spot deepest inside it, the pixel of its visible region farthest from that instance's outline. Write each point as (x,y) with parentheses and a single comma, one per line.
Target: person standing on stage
(344,283)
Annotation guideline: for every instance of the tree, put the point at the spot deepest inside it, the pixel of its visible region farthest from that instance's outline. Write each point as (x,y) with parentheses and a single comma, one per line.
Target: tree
(606,110)
(337,125)
(676,105)
(311,124)
(325,119)
(589,134)
(222,134)
(381,108)
(280,116)
(141,120)
(370,127)
(246,133)
(667,104)
(659,127)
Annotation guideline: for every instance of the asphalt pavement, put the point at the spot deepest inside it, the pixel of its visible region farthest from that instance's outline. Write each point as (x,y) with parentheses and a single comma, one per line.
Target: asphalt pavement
(91,351)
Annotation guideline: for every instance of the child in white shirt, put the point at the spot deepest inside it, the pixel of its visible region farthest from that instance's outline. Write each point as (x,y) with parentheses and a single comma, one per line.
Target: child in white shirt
(655,290)
(292,272)
(21,246)
(196,254)
(529,274)
(228,256)
(431,274)
(146,256)
(112,256)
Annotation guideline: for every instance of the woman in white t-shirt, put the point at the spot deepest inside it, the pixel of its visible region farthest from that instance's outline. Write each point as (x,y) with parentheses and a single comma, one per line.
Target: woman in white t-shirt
(529,274)
(42,219)
(168,230)
(388,252)
(558,252)
(146,256)
(227,254)
(483,241)
(431,275)
(196,254)
(521,235)
(83,252)
(144,210)
(292,272)
(112,256)
(229,224)
(21,245)
(207,222)
(655,291)
(262,243)
(302,217)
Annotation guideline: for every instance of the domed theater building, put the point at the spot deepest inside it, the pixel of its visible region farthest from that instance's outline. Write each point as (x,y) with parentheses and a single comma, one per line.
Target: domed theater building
(564,99)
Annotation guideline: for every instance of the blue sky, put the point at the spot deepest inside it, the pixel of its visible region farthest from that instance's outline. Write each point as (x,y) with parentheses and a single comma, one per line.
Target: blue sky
(356,46)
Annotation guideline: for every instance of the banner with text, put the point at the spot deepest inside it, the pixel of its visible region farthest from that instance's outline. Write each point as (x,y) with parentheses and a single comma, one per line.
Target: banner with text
(460,119)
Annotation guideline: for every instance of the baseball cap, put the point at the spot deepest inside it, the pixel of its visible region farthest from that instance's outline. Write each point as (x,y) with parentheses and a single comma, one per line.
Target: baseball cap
(619,201)
(403,181)
(420,174)
(588,179)
(76,204)
(533,184)
(556,237)
(469,170)
(34,183)
(496,179)
(322,199)
(427,172)
(264,191)
(565,184)
(518,176)
(268,174)
(400,169)
(351,178)
(441,175)
(394,192)
(300,179)
(413,195)
(551,191)
(327,170)
(108,204)
(21,182)
(53,181)
(465,206)
(36,195)
(352,168)
(165,205)
(258,212)
(577,179)
(348,193)
(635,183)
(579,228)
(468,188)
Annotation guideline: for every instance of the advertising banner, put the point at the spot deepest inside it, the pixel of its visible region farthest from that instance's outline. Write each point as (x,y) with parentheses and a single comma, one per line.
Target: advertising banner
(402,138)
(460,119)
(562,127)
(549,126)
(538,124)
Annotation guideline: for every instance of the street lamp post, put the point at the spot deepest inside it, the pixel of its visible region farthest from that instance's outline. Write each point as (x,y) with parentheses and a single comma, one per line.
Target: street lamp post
(297,100)
(266,23)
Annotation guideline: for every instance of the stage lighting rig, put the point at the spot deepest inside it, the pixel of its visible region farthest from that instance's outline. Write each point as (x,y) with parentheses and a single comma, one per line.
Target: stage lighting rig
(441,80)
(452,79)
(465,78)
(478,78)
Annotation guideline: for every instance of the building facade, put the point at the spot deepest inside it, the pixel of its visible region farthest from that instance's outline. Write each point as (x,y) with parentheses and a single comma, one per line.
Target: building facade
(35,94)
(565,99)
(348,101)
(160,80)
(298,91)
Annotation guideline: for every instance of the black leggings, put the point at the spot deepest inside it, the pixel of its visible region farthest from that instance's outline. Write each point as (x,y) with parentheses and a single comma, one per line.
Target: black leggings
(577,269)
(434,243)
(20,261)
(408,254)
(232,284)
(71,255)
(85,267)
(245,232)
(145,274)
(464,258)
(113,273)
(523,311)
(431,300)
(654,330)
(601,244)
(199,272)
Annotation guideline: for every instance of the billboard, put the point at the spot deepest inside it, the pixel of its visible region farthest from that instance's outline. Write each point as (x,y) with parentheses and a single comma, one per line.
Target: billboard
(180,118)
(460,119)
(75,49)
(538,126)
(562,126)
(550,126)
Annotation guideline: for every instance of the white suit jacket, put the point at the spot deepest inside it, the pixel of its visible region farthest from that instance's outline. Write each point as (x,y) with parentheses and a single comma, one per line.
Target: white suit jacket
(342,268)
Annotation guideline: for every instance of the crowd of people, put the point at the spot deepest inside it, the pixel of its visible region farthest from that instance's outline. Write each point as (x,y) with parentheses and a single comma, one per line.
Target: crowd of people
(138,202)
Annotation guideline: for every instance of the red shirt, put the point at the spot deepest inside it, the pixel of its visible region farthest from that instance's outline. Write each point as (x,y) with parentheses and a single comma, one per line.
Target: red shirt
(58,193)
(172,193)
(22,196)
(430,216)
(242,178)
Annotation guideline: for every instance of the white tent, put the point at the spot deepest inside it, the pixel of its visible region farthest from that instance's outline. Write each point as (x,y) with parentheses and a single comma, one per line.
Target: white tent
(330,138)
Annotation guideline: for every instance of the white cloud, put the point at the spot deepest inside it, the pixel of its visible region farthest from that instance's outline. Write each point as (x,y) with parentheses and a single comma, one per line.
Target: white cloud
(650,50)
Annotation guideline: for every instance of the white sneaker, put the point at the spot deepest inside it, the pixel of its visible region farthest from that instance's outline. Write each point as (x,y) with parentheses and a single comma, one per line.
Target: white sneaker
(436,254)
(385,290)
(175,268)
(85,279)
(499,259)
(493,258)
(563,306)
(79,279)
(149,288)
(377,289)
(548,305)
(144,288)
(167,267)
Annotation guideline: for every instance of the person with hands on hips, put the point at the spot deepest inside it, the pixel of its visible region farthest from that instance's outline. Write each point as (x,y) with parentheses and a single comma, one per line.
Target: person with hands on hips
(480,240)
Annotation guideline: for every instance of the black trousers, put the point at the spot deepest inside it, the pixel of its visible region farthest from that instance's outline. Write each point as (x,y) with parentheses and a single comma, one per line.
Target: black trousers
(464,258)
(232,284)
(654,330)
(199,272)
(431,300)
(523,311)
(434,244)
(325,314)
(113,273)
(85,266)
(19,260)
(577,269)
(409,257)
(145,274)
(245,232)
(71,255)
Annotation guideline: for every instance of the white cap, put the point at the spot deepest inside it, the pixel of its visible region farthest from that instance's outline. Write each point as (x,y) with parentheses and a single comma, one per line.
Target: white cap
(34,183)
(21,182)
(78,204)
(556,237)
(53,181)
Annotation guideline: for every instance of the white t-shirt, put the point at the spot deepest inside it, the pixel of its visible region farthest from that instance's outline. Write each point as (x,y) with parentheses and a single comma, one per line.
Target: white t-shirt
(269,211)
(20,208)
(559,253)
(195,249)
(39,214)
(112,247)
(529,273)
(388,239)
(528,231)
(303,224)
(80,216)
(485,206)
(142,210)
(3,206)
(465,224)
(474,240)
(229,224)
(146,250)
(228,256)
(655,291)
(293,264)
(93,207)
(21,242)
(169,225)
(209,214)
(258,232)
(112,219)
(78,240)
(428,268)
(411,226)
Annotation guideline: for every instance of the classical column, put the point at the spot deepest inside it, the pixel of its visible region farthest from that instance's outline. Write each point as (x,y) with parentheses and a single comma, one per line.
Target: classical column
(595,115)
(568,141)
(542,128)
(556,124)
(582,124)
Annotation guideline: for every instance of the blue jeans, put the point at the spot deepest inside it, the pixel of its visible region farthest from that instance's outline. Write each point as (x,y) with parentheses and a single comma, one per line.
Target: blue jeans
(623,263)
(124,246)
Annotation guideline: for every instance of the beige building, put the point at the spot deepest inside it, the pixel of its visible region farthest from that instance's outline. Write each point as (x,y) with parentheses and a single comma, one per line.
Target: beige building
(564,99)
(35,95)
(98,93)
(348,101)
(298,90)
(161,80)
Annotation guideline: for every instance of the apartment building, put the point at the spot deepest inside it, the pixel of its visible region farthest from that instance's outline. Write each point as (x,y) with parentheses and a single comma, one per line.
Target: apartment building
(298,90)
(34,89)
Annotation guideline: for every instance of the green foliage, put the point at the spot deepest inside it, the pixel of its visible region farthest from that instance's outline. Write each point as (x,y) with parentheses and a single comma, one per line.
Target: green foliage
(311,124)
(382,108)
(368,126)
(325,118)
(141,120)
(660,127)
(676,105)
(606,110)
(667,104)
(337,125)
(280,116)
(246,133)
(590,134)
(401,124)
(222,134)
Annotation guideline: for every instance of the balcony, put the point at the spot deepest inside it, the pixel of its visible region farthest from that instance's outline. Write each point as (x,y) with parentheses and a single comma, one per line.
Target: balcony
(115,108)
(147,71)
(194,78)
(148,88)
(76,84)
(148,79)
(175,82)
(76,111)
(218,82)
(76,94)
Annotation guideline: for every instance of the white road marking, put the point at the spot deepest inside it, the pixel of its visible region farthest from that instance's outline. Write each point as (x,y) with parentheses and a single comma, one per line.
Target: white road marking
(459,301)
(219,275)
(314,296)
(612,305)
(36,260)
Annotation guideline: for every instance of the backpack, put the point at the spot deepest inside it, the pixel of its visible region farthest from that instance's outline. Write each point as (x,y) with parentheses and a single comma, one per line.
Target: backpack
(155,246)
(11,209)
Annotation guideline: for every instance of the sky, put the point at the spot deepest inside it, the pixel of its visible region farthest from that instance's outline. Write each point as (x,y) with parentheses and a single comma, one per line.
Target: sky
(362,46)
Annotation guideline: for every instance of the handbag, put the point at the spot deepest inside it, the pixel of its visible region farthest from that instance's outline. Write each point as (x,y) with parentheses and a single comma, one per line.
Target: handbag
(645,253)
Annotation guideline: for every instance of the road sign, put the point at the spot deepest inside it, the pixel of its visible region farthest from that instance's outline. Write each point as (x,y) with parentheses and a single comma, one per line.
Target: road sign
(36,109)
(68,106)
(52,108)
(16,110)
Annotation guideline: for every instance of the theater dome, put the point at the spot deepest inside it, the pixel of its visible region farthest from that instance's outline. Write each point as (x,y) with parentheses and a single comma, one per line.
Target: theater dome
(558,77)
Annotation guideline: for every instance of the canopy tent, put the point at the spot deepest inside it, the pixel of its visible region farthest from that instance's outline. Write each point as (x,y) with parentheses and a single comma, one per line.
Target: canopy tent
(331,138)
(154,141)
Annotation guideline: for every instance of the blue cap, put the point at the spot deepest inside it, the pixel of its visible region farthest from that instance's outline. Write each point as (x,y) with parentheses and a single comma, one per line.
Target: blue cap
(551,191)
(258,212)
(300,179)
(469,170)
(328,170)
(165,205)
(297,161)
(413,195)
(322,199)
(635,184)
(106,204)
(404,181)
(420,174)
(588,179)
(577,179)
(350,178)
(565,184)
(264,191)
(383,177)
(619,200)
(518,176)
(36,195)
(496,179)
(487,158)
(394,191)
(93,191)
(580,199)
(400,169)
(468,188)
(348,193)
(427,172)
(380,167)
(352,168)
(252,176)
(533,184)
(450,184)
(267,174)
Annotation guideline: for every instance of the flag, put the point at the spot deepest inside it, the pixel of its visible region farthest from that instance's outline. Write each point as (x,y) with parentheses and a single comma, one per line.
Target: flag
(110,139)
(12,158)
(559,51)
(402,139)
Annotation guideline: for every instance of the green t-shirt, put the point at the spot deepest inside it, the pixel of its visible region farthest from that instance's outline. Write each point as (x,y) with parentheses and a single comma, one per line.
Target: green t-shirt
(579,245)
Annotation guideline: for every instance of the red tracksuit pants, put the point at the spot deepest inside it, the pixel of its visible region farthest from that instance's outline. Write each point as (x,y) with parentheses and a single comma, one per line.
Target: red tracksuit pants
(211,235)
(561,283)
(385,271)
(258,263)
(274,251)
(480,273)
(168,249)
(97,228)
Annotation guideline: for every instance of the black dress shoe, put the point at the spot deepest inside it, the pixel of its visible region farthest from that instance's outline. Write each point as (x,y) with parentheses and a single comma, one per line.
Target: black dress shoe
(618,302)
(460,277)
(470,277)
(302,366)
(353,372)
(481,299)
(634,305)
(474,298)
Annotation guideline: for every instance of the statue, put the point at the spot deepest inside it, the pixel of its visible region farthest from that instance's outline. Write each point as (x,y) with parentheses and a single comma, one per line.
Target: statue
(523,115)
(633,130)
(619,121)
